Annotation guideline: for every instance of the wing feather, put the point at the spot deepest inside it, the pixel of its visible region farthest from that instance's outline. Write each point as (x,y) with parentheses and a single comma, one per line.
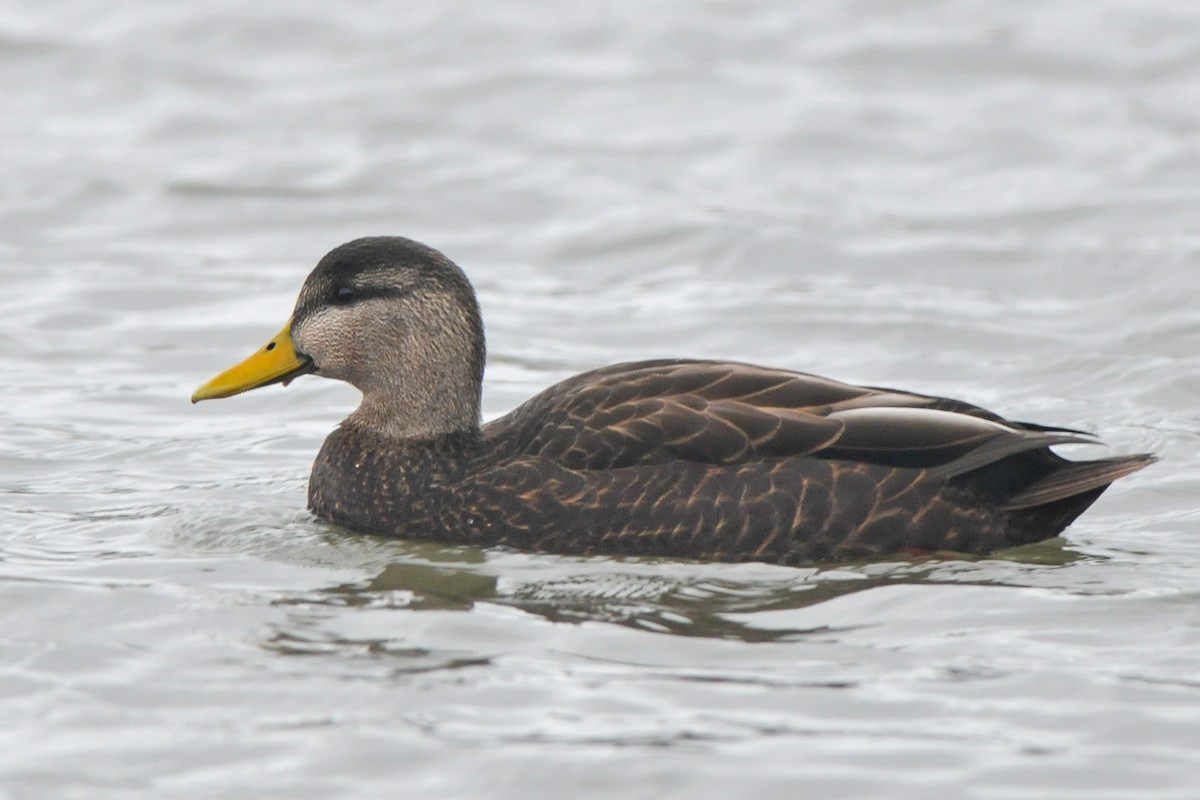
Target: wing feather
(730,413)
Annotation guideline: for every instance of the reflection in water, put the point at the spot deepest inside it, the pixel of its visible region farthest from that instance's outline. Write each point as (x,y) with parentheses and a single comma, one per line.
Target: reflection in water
(644,593)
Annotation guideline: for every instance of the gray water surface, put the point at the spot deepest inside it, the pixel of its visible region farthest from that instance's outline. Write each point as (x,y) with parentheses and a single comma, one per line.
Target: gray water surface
(993,201)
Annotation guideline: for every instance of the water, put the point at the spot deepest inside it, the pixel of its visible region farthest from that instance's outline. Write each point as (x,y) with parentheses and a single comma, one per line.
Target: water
(992,201)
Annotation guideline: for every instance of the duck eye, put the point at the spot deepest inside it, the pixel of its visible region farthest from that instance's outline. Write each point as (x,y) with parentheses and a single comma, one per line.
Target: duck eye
(345,294)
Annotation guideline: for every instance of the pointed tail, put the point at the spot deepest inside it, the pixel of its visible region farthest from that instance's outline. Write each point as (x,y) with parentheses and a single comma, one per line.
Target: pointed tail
(1077,478)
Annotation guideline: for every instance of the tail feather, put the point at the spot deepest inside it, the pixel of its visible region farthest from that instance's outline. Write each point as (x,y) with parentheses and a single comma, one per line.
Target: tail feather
(1076,478)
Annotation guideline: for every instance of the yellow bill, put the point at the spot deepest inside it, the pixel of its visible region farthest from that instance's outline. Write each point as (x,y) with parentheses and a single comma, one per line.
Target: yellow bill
(277,361)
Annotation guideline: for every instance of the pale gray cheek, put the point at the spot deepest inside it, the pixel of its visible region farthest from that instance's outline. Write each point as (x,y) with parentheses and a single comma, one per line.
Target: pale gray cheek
(354,343)
(322,336)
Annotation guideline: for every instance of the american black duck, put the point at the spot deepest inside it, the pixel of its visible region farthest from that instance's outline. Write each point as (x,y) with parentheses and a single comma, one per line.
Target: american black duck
(693,459)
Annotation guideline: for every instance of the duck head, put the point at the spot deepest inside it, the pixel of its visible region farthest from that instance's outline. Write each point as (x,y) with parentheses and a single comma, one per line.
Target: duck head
(395,319)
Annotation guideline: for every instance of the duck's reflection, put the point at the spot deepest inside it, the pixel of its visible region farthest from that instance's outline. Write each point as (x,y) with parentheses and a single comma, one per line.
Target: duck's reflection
(702,600)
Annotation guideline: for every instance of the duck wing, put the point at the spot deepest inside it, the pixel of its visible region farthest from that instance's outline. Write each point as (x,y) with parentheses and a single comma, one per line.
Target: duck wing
(724,413)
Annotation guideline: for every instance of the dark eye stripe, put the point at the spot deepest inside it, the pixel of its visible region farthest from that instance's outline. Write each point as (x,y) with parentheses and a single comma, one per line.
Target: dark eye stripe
(347,295)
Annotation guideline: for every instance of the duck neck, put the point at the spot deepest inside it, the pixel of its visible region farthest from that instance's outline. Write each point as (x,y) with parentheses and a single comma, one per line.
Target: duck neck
(422,410)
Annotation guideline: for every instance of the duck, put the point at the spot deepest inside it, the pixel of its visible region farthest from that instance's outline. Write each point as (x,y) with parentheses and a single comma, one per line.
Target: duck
(673,458)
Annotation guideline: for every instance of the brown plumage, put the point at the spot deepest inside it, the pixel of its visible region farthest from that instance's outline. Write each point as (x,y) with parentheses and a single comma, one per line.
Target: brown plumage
(690,459)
